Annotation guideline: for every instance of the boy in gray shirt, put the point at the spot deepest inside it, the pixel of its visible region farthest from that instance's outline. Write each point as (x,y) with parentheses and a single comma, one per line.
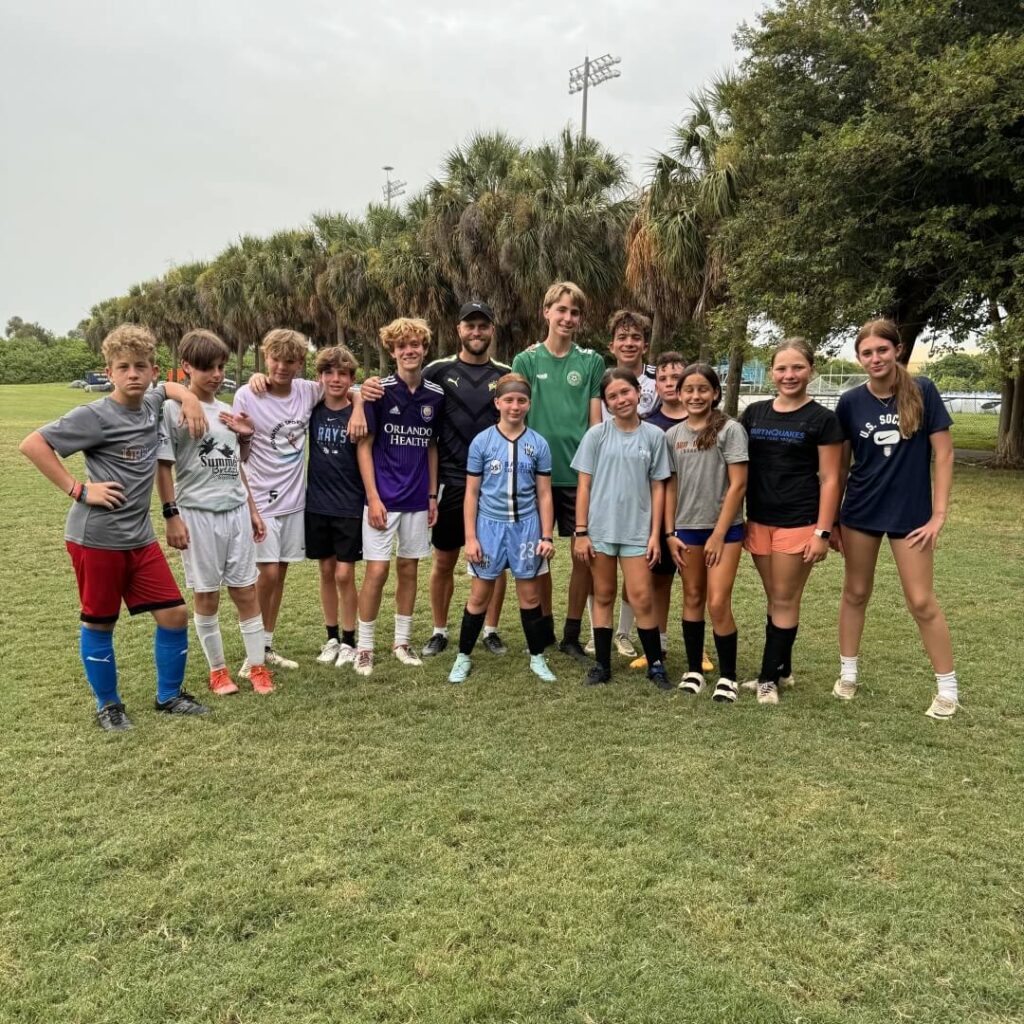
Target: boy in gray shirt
(109,537)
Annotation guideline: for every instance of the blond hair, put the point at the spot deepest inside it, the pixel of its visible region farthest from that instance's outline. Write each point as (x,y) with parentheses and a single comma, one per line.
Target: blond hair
(203,349)
(282,343)
(560,288)
(909,403)
(129,340)
(337,357)
(800,345)
(405,327)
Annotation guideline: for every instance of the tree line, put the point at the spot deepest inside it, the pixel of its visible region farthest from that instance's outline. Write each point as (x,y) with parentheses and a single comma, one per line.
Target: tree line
(865,157)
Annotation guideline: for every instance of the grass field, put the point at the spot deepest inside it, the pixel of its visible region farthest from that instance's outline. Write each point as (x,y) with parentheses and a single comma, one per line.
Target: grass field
(975,430)
(398,849)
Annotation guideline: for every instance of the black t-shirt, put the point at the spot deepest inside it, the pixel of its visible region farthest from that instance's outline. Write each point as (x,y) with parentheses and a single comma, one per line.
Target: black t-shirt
(782,476)
(333,484)
(659,419)
(468,409)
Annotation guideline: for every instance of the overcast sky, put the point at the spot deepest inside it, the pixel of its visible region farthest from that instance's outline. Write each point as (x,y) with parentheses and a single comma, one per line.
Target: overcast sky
(138,134)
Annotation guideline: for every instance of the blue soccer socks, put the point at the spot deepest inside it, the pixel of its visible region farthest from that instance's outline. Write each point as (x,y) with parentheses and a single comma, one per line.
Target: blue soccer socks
(97,649)
(170,652)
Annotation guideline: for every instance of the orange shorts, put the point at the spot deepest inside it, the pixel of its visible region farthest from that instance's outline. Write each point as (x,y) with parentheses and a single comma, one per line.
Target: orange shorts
(787,540)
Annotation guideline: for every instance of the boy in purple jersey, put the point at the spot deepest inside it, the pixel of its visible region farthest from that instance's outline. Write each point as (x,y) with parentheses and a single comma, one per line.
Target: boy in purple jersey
(398,463)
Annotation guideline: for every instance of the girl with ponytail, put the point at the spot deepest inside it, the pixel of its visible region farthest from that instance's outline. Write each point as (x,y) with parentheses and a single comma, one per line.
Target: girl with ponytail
(704,523)
(893,426)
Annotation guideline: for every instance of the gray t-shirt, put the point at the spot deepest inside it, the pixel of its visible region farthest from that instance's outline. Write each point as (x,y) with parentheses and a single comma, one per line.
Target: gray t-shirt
(119,444)
(206,474)
(622,465)
(702,477)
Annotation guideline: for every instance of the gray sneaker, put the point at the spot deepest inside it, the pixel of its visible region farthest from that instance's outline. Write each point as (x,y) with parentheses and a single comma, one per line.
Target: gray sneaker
(494,643)
(437,643)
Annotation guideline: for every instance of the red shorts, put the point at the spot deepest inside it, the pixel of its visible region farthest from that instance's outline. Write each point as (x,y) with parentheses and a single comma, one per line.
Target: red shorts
(140,577)
(787,540)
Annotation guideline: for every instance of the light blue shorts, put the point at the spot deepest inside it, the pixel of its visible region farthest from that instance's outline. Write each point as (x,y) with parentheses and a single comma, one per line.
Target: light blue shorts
(510,546)
(619,550)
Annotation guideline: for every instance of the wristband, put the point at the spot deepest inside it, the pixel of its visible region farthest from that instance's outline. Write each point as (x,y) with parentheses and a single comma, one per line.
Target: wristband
(75,493)
(667,536)
(582,533)
(547,540)
(82,494)
(431,497)
(170,510)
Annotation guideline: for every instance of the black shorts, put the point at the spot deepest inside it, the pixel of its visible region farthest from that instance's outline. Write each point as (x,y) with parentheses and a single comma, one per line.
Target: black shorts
(339,537)
(891,534)
(449,532)
(666,567)
(565,510)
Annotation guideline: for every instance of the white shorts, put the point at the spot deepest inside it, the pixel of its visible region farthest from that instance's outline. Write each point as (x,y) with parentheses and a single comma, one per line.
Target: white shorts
(410,528)
(285,540)
(220,552)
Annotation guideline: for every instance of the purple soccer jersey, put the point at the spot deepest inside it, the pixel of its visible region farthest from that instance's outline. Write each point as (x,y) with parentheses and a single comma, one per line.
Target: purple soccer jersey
(403,424)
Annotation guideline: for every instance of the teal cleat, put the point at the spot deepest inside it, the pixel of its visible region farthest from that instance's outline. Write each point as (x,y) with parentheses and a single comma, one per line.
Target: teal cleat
(539,667)
(461,668)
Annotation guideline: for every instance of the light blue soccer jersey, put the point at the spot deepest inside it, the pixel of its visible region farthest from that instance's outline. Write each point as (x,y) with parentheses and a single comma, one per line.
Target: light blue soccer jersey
(508,472)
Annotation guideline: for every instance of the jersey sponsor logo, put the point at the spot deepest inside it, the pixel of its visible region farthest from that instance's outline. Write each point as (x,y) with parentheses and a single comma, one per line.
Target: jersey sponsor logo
(394,411)
(574,378)
(288,439)
(454,381)
(218,459)
(138,453)
(494,466)
(427,412)
(414,437)
(542,376)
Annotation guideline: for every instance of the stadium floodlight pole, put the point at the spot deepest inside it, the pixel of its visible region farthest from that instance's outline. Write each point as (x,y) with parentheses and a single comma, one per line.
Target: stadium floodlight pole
(592,72)
(392,189)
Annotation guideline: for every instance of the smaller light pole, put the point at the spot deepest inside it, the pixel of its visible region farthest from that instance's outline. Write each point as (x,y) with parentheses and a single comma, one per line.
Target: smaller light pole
(392,189)
(592,72)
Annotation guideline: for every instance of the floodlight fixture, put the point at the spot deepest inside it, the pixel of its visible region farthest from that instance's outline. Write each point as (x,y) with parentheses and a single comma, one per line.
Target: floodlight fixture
(391,189)
(589,73)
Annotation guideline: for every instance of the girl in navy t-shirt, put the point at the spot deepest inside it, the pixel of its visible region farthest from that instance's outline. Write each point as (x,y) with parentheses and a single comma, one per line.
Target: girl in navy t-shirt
(793,490)
(893,425)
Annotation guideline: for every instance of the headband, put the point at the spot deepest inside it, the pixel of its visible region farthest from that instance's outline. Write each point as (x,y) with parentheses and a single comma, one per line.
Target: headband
(513,387)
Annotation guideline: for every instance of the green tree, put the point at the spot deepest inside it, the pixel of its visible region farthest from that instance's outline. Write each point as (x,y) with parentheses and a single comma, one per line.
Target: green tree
(18,329)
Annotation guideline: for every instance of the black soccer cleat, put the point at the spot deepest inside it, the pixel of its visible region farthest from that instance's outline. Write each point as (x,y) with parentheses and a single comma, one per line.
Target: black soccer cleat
(183,704)
(112,718)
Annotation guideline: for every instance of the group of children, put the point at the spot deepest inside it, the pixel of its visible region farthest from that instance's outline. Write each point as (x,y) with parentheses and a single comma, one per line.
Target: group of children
(637,463)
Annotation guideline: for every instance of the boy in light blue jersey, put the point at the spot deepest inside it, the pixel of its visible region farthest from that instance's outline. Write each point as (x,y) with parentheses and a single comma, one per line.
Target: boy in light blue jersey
(509,518)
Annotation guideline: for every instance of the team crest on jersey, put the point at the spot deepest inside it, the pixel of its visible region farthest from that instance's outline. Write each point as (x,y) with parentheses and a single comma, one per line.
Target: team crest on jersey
(492,386)
(530,450)
(573,378)
(494,466)
(427,412)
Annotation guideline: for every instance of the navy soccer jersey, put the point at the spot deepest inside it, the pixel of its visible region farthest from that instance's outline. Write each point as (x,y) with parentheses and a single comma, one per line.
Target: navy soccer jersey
(889,486)
(660,420)
(468,409)
(333,485)
(403,424)
(508,472)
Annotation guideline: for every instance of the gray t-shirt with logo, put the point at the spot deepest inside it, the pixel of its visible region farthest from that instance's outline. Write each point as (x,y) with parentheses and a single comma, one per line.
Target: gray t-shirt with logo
(622,465)
(119,444)
(206,474)
(702,477)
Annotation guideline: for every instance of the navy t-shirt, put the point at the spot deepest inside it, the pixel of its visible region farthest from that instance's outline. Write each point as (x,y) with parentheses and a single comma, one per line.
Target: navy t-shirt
(890,486)
(333,484)
(658,418)
(782,479)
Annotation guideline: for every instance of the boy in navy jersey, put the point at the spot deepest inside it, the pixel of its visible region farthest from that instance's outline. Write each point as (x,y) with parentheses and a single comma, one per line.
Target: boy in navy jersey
(334,504)
(398,463)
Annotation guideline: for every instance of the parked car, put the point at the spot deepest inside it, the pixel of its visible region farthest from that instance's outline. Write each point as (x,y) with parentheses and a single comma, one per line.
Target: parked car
(77,384)
(97,380)
(227,385)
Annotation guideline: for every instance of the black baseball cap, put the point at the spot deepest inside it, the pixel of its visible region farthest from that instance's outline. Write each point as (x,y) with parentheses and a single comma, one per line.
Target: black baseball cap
(476,309)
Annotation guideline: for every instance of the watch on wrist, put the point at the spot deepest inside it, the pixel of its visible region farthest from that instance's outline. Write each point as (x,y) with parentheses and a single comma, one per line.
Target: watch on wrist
(584,532)
(823,534)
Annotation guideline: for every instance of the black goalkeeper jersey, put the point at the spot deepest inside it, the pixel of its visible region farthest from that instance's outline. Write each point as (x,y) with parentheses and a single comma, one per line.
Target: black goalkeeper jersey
(468,409)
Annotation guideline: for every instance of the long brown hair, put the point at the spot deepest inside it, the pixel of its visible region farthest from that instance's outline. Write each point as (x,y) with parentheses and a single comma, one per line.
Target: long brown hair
(909,403)
(708,436)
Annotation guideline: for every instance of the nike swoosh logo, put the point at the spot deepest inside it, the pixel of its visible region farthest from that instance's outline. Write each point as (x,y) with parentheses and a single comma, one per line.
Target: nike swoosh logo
(102,661)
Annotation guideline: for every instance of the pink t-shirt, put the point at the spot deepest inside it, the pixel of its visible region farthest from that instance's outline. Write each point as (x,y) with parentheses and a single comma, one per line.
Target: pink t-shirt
(277,458)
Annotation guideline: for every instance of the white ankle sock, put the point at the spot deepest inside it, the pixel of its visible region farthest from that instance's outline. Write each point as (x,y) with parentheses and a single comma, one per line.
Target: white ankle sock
(268,638)
(365,631)
(441,631)
(626,619)
(403,629)
(208,631)
(488,630)
(946,682)
(253,638)
(848,669)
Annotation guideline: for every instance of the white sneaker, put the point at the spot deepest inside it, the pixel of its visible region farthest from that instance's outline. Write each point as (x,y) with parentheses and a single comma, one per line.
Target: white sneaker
(785,683)
(329,652)
(346,656)
(942,708)
(363,663)
(624,645)
(589,647)
(692,682)
(407,656)
(274,660)
(845,689)
(767,693)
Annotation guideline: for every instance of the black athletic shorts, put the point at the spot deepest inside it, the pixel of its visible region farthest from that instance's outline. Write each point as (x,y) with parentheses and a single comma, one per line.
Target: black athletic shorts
(449,532)
(565,510)
(339,537)
(666,567)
